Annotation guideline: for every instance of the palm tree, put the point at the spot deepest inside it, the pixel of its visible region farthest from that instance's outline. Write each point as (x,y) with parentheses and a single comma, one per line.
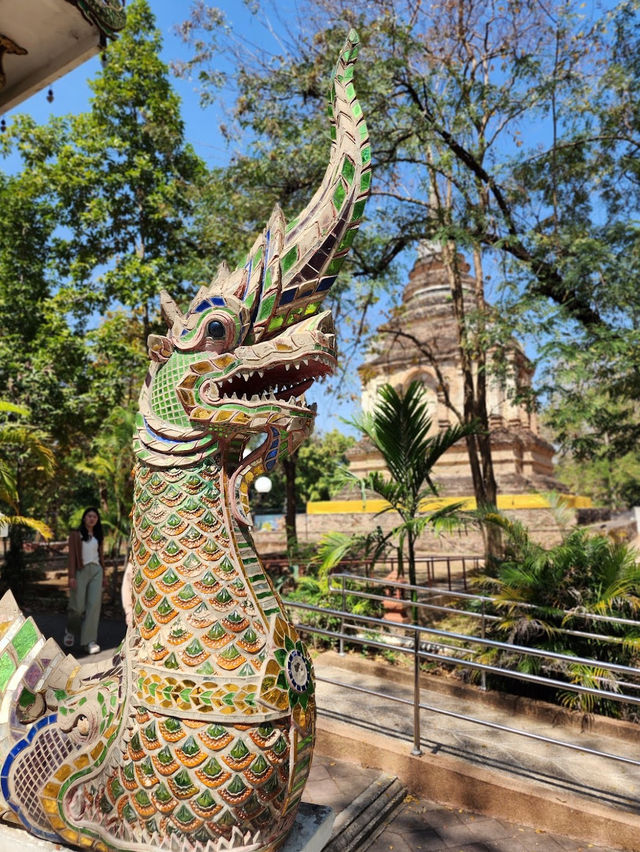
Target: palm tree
(23,454)
(13,435)
(110,465)
(400,429)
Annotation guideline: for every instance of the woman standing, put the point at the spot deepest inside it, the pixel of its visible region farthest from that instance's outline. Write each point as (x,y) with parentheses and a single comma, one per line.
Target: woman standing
(86,567)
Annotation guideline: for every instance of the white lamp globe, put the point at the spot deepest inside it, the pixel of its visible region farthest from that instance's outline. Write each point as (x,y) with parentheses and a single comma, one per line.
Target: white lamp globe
(263,485)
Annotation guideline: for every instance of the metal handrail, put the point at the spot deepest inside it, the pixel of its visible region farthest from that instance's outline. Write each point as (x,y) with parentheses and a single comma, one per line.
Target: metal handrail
(458,564)
(479,640)
(421,651)
(481,599)
(441,592)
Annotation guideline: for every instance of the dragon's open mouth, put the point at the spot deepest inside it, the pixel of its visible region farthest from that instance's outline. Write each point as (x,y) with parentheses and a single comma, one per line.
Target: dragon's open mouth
(280,381)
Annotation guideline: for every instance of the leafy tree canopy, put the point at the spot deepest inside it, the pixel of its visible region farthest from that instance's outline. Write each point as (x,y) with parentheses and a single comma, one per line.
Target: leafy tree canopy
(320,462)
(507,130)
(95,222)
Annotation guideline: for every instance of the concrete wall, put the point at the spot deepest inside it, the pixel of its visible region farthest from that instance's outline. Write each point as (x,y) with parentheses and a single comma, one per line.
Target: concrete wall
(311,527)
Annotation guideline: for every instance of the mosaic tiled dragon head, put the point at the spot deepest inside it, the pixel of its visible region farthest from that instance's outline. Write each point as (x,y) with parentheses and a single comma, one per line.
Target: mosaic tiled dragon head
(236,364)
(197,735)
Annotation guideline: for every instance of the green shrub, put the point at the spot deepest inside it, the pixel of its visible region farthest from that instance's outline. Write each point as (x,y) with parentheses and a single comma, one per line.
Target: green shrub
(541,592)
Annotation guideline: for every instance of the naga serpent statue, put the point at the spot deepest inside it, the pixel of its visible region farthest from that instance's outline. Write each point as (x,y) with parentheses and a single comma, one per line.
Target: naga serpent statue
(198,733)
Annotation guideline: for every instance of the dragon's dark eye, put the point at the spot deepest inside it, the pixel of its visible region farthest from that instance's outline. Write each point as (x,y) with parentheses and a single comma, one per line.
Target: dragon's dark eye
(216,330)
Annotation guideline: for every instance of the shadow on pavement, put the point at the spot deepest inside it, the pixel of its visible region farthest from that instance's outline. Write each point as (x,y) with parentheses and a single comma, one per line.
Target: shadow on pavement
(52,624)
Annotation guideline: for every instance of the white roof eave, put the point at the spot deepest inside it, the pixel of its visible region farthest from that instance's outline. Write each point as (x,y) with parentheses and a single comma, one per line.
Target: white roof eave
(56,37)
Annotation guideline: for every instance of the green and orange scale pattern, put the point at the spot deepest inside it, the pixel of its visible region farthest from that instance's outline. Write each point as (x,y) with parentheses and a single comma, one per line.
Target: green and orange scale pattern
(217,739)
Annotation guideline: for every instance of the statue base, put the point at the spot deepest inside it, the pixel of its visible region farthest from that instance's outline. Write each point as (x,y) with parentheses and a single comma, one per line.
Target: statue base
(310,833)
(311,830)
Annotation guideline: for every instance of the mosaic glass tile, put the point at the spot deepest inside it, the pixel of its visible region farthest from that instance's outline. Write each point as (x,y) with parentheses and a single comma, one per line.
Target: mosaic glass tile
(25,639)
(7,668)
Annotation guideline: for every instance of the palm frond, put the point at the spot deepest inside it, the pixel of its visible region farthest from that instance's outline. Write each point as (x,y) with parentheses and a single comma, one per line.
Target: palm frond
(333,548)
(400,429)
(29,439)
(30,523)
(593,677)
(8,487)
(9,408)
(387,489)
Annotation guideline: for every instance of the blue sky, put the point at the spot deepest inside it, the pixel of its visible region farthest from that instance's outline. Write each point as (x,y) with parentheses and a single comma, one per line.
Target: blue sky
(72,94)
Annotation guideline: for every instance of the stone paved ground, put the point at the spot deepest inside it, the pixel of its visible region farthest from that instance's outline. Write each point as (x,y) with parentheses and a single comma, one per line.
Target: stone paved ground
(558,770)
(422,826)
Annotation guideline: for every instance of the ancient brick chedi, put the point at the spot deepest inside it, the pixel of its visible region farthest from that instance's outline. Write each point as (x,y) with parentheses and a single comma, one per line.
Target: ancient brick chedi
(425,326)
(198,734)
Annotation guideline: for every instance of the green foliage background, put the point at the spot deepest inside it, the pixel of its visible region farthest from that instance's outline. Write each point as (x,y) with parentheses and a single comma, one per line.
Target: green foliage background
(111,205)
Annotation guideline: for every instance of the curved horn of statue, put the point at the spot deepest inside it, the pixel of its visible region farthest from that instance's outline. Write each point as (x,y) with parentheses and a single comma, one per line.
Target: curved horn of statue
(198,733)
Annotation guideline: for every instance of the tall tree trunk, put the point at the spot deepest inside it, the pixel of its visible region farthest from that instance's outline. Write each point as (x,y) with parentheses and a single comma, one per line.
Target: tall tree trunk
(290,464)
(14,564)
(474,384)
(104,498)
(413,580)
(492,534)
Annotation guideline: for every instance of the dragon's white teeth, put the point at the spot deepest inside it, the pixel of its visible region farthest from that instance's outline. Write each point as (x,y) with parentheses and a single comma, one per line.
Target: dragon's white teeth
(305,361)
(292,400)
(255,398)
(261,373)
(287,367)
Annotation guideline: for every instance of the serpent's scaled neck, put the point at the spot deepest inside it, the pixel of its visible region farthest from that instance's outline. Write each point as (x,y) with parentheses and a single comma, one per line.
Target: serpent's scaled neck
(202,600)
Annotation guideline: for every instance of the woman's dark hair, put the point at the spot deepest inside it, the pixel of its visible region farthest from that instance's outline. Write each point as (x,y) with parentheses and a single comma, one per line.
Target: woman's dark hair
(97,530)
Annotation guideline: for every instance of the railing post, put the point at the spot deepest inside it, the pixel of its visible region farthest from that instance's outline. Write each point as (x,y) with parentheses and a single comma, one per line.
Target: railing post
(483,677)
(416,750)
(344,609)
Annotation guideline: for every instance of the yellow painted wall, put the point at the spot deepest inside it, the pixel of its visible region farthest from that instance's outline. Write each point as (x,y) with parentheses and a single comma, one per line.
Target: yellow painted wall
(505,501)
